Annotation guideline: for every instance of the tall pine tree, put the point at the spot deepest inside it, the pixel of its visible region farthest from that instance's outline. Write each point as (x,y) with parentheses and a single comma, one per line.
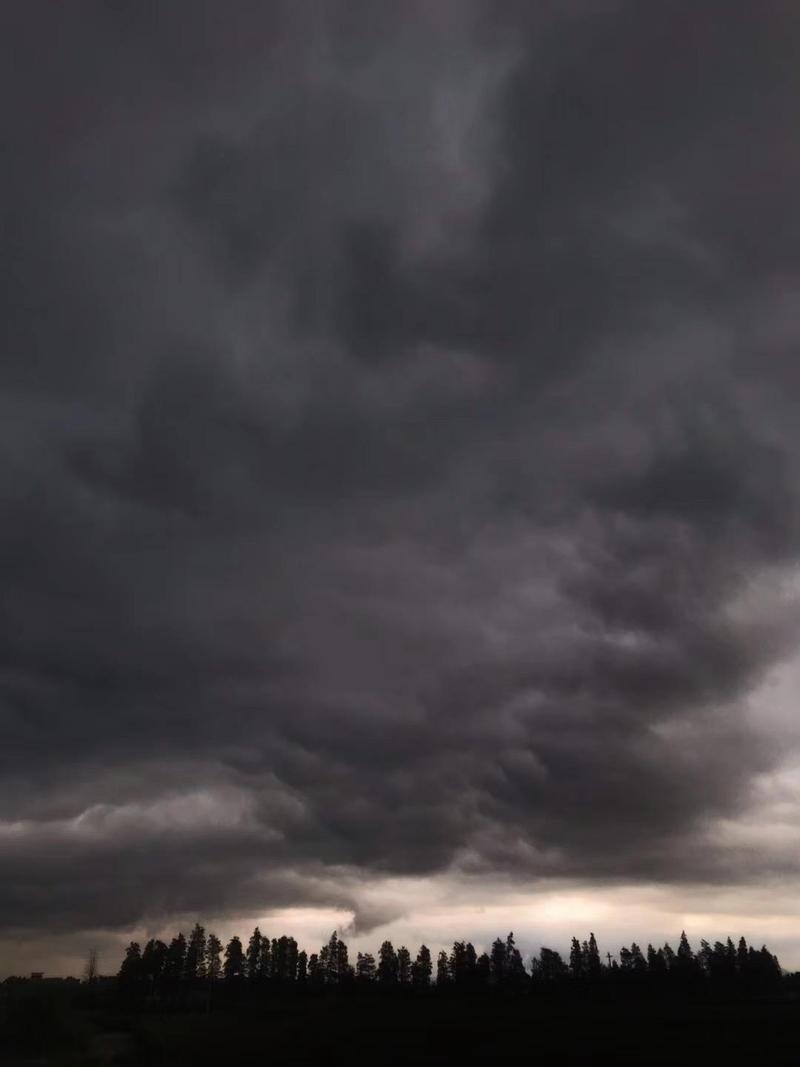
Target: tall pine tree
(253,955)
(213,957)
(422,968)
(234,965)
(195,964)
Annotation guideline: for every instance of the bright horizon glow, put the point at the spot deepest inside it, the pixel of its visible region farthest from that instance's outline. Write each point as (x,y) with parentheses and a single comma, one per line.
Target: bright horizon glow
(616,915)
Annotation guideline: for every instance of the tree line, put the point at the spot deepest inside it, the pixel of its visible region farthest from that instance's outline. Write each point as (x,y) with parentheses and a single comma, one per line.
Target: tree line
(200,962)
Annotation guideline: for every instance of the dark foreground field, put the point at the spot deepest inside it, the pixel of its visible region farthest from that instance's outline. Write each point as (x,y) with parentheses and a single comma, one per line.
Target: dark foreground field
(435,1029)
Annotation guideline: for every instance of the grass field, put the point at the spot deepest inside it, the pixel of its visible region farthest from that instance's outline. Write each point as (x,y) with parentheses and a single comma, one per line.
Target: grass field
(415,1030)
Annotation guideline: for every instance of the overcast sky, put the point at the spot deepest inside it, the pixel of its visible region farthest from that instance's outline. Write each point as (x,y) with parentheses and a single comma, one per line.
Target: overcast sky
(399,484)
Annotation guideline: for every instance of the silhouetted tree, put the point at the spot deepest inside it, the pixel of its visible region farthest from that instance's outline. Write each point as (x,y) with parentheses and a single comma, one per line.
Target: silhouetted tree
(705,957)
(741,958)
(730,955)
(277,962)
(234,965)
(422,968)
(316,971)
(265,959)
(515,974)
(723,959)
(458,964)
(549,967)
(722,965)
(213,957)
(253,956)
(592,959)
(131,971)
(497,958)
(330,953)
(463,965)
(329,959)
(638,962)
(154,960)
(175,963)
(90,971)
(344,971)
(387,964)
(765,969)
(470,963)
(284,954)
(403,965)
(195,960)
(656,964)
(576,959)
(686,967)
(442,970)
(365,967)
(685,954)
(292,952)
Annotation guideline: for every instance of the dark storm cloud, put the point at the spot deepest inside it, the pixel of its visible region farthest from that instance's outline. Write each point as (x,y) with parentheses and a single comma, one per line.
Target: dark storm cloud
(397,441)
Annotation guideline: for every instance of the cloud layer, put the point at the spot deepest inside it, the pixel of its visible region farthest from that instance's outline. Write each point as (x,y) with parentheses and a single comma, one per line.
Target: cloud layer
(400,461)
